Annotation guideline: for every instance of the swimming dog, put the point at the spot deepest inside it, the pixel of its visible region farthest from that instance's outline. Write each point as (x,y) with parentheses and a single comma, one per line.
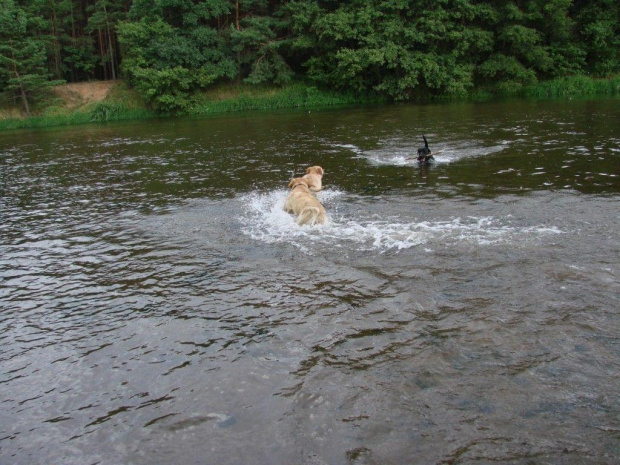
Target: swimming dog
(302,203)
(424,153)
(314,176)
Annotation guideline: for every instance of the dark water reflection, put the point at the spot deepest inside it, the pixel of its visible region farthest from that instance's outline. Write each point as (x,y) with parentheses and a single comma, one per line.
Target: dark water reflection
(157,306)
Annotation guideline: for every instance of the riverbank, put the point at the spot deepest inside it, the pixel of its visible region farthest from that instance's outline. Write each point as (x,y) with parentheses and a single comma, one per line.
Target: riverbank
(104,101)
(96,102)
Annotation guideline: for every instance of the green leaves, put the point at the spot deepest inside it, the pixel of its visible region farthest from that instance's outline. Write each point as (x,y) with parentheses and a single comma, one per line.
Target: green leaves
(181,47)
(166,65)
(400,49)
(508,74)
(172,50)
(23,61)
(258,51)
(598,24)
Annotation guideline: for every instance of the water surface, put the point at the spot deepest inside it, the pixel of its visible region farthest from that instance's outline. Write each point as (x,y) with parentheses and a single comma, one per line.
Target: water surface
(158,306)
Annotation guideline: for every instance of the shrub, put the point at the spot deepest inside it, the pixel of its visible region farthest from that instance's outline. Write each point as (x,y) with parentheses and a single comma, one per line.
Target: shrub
(107,111)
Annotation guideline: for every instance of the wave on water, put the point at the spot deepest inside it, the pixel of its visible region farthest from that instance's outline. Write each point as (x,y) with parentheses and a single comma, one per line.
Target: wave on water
(264,219)
(396,152)
(119,141)
(442,154)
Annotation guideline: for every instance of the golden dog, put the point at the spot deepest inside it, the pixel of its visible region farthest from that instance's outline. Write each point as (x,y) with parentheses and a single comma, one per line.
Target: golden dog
(314,177)
(302,203)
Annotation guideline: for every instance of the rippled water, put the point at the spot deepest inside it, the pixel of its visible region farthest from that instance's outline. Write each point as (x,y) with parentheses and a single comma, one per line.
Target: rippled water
(158,306)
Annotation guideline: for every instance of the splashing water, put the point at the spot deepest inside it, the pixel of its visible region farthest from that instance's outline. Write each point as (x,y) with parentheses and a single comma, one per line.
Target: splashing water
(265,220)
(404,152)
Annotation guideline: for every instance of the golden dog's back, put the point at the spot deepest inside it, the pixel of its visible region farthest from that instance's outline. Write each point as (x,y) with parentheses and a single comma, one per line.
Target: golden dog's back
(302,203)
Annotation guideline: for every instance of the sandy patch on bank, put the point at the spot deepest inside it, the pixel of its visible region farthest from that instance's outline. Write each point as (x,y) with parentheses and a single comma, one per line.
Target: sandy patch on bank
(82,93)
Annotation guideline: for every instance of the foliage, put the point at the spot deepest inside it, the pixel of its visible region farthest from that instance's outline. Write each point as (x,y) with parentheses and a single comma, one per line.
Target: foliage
(104,15)
(257,50)
(408,49)
(23,71)
(167,63)
(107,111)
(171,51)
(598,30)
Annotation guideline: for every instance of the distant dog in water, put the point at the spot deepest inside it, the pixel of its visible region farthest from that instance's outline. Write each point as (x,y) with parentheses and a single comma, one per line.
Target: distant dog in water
(424,153)
(314,177)
(302,203)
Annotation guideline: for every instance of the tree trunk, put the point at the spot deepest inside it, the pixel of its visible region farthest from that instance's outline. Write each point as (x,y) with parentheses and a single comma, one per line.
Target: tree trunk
(22,91)
(25,100)
(237,24)
(74,74)
(110,46)
(102,53)
(56,45)
(112,55)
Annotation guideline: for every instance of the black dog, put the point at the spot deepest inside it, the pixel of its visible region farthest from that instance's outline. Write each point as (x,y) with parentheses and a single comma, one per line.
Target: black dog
(424,153)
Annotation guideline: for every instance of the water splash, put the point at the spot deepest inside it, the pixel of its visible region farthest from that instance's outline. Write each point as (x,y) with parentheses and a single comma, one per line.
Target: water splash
(394,154)
(265,220)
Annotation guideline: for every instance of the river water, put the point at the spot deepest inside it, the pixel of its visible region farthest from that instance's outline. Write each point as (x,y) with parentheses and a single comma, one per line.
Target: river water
(159,307)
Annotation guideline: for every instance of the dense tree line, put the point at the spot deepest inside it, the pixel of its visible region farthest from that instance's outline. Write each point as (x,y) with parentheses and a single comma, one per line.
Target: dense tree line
(399,49)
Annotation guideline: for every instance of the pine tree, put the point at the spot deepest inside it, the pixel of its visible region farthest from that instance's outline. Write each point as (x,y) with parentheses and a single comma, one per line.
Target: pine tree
(23,61)
(105,15)
(257,38)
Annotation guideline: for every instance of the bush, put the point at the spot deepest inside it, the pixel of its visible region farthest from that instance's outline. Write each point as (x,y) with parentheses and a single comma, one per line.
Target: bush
(107,111)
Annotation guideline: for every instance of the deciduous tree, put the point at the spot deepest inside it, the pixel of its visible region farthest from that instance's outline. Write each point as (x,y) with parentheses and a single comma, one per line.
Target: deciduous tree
(171,50)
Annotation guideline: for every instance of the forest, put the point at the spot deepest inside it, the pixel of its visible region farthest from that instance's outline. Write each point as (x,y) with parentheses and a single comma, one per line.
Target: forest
(397,50)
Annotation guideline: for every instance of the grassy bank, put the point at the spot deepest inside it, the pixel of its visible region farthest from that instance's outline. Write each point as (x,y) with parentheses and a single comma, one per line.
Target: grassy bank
(122,103)
(72,107)
(574,86)
(565,87)
(228,99)
(103,112)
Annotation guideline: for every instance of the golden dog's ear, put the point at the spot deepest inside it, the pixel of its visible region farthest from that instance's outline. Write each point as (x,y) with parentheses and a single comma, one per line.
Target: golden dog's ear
(320,170)
(290,184)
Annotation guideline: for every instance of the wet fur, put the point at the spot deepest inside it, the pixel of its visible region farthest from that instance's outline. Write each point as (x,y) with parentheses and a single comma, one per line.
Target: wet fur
(302,203)
(314,178)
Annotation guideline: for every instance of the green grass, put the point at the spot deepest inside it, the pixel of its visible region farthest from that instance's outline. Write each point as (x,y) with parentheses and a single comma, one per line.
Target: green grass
(574,86)
(229,99)
(565,87)
(102,112)
(43,121)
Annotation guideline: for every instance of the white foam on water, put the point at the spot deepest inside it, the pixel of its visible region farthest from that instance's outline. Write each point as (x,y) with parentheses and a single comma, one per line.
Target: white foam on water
(442,154)
(265,220)
(351,147)
(404,153)
(118,141)
(392,157)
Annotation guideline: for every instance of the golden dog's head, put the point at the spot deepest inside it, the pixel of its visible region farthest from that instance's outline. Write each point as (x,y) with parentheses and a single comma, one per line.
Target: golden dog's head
(315,170)
(296,182)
